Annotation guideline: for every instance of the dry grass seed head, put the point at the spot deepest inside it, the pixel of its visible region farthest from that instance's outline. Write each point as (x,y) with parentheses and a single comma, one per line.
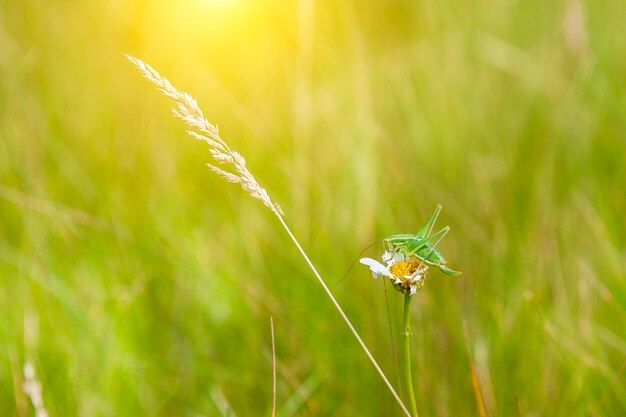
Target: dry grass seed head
(189,112)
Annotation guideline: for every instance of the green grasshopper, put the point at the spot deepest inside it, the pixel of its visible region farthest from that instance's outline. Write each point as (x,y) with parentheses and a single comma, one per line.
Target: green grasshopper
(419,245)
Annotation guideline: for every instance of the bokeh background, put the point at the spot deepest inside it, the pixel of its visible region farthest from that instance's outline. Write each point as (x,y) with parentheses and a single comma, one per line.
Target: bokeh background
(137,282)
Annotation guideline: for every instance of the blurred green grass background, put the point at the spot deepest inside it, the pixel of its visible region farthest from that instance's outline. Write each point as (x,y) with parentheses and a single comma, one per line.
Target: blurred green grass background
(139,283)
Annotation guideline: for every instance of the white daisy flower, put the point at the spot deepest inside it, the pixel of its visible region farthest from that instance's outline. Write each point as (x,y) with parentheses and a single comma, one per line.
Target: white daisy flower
(406,274)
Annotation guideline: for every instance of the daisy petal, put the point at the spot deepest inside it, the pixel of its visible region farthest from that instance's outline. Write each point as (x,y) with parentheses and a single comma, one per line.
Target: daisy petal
(376,267)
(391,258)
(397,257)
(387,256)
(416,276)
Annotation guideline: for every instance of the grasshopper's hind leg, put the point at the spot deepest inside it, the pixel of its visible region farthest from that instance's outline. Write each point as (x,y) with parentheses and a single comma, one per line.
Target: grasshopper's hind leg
(427,229)
(438,235)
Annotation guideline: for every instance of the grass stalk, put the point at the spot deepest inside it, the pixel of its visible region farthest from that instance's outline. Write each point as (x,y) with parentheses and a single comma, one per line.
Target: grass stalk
(237,172)
(343,315)
(273,368)
(392,339)
(478,394)
(407,353)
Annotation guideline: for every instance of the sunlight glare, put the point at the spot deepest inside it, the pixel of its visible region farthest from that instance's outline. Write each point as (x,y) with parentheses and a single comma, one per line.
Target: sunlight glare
(213,4)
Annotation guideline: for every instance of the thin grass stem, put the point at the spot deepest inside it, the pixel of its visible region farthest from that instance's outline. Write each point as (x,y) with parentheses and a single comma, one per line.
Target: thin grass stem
(478,394)
(407,353)
(394,350)
(273,369)
(343,315)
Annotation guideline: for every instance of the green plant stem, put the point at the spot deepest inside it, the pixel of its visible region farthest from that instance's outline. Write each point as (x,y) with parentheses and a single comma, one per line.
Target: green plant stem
(407,353)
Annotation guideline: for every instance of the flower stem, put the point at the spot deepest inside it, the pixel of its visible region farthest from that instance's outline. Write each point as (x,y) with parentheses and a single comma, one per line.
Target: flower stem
(407,352)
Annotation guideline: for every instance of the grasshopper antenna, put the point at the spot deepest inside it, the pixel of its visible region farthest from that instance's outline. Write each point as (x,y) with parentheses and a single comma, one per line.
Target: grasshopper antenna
(356,259)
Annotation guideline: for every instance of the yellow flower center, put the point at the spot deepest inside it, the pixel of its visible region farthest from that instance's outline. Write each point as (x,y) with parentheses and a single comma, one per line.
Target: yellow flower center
(404,269)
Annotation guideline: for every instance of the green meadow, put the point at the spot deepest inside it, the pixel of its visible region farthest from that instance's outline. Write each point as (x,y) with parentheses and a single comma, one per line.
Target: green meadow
(139,283)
